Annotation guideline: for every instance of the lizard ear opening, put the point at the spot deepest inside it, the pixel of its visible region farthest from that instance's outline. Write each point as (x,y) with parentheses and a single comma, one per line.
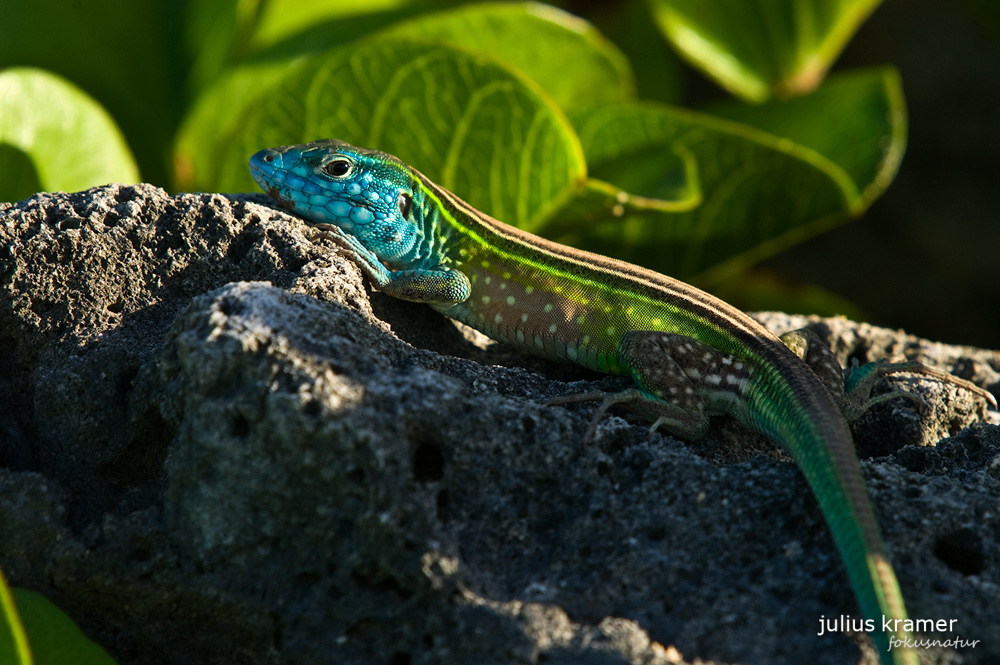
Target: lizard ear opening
(405,202)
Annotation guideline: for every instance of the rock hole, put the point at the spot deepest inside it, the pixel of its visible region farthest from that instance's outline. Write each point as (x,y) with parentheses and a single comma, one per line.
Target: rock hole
(428,464)
(961,550)
(239,427)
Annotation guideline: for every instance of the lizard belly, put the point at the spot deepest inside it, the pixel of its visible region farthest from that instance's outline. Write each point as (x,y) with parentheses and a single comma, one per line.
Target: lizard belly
(530,317)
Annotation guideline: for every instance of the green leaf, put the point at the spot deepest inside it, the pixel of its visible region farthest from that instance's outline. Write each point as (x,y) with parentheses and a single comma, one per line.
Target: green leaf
(857,120)
(758,193)
(127,55)
(470,123)
(217,114)
(651,177)
(756,48)
(71,141)
(536,39)
(53,637)
(563,54)
(648,181)
(656,66)
(216,33)
(13,639)
(284,19)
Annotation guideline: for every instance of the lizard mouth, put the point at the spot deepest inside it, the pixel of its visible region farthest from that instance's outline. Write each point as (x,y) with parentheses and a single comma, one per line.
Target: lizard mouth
(265,169)
(275,193)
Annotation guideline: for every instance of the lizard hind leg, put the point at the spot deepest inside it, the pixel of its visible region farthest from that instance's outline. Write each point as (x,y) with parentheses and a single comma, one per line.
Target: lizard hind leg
(852,388)
(679,381)
(669,416)
(668,381)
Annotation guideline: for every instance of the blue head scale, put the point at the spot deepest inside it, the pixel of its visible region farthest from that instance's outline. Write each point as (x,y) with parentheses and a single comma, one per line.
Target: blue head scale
(366,193)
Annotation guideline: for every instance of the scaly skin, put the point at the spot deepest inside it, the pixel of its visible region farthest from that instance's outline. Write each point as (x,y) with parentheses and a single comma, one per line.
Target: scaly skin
(690,354)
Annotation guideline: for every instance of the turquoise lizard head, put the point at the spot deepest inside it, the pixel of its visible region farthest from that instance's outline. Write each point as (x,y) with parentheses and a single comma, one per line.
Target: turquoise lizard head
(366,193)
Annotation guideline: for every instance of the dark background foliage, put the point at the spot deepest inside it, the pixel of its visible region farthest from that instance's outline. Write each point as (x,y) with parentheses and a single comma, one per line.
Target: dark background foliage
(925,255)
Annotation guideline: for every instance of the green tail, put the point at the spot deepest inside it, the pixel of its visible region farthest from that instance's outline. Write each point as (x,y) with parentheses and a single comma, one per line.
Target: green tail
(808,424)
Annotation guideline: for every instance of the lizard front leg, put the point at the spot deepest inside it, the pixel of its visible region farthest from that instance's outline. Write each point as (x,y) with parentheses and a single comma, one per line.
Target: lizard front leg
(425,285)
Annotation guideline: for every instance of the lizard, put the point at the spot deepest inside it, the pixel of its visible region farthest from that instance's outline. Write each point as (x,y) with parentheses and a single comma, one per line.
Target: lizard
(690,355)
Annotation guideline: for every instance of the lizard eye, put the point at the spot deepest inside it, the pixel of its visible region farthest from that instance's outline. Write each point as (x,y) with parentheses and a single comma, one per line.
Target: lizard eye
(338,168)
(404,202)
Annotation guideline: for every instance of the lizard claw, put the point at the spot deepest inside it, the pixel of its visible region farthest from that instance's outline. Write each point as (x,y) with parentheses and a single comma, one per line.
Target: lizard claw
(592,396)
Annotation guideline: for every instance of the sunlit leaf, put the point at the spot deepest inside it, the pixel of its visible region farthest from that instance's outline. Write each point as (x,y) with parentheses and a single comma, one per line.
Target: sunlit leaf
(215,118)
(216,114)
(465,120)
(563,54)
(33,631)
(760,48)
(758,193)
(14,646)
(648,181)
(216,33)
(53,637)
(857,120)
(70,140)
(282,19)
(126,55)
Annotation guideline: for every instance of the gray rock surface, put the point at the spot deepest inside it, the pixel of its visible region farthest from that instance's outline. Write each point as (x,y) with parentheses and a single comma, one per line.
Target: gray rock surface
(216,445)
